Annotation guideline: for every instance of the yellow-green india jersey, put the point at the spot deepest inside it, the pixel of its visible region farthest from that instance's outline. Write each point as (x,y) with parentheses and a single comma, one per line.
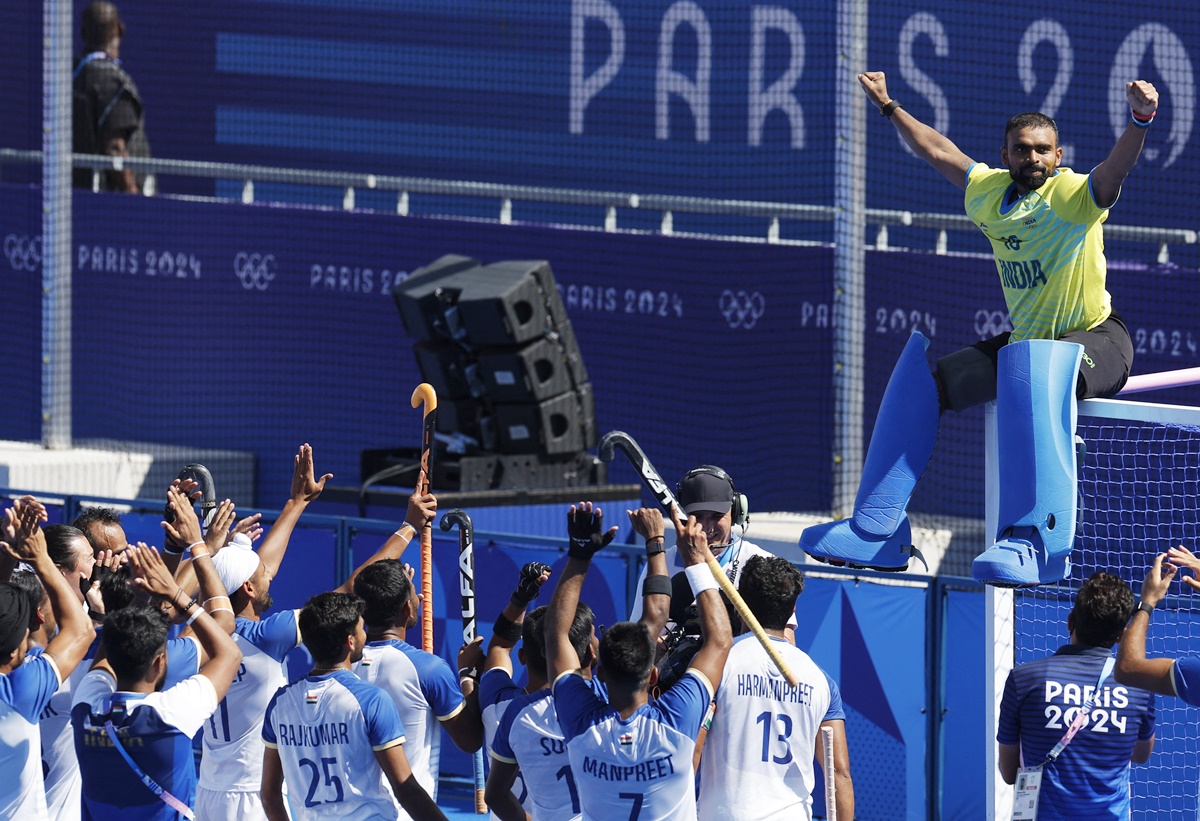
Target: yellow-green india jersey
(1049,248)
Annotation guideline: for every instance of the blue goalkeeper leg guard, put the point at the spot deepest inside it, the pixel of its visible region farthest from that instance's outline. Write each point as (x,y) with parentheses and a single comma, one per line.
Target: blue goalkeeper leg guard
(1035,430)
(878,534)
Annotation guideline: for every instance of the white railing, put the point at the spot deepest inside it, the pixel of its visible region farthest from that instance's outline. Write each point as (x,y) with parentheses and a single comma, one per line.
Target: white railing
(666,205)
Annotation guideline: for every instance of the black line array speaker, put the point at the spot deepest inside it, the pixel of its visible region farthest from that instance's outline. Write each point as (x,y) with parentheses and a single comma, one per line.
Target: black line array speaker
(497,346)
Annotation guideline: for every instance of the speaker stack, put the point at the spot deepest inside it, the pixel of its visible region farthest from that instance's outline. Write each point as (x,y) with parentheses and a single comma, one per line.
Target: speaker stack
(496,344)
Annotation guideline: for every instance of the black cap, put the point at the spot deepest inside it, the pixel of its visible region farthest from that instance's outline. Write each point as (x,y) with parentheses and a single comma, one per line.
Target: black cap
(705,491)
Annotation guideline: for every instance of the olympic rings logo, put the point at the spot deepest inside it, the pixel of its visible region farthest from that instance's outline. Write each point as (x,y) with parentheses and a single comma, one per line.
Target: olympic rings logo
(24,252)
(256,271)
(742,309)
(991,323)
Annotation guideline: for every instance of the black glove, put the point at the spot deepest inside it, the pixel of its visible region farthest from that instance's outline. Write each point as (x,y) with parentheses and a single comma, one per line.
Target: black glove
(530,584)
(586,529)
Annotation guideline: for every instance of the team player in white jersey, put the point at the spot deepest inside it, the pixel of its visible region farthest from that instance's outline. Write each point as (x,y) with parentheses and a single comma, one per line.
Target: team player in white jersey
(231,765)
(631,757)
(757,763)
(424,689)
(27,685)
(336,739)
(529,738)
(496,686)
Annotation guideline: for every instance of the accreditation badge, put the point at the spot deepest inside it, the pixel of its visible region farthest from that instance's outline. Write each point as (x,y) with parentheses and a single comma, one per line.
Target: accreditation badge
(1029,787)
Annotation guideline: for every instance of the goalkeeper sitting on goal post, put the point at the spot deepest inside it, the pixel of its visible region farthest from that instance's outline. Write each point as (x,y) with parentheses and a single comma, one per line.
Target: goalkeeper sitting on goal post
(1044,225)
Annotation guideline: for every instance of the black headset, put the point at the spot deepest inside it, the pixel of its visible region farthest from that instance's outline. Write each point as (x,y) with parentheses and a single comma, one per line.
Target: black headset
(739,508)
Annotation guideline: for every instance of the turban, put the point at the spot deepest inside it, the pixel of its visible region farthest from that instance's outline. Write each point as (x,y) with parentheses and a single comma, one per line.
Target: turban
(14,617)
(236,563)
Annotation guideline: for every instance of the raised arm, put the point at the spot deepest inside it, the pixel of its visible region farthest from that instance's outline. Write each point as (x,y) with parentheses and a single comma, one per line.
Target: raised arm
(212,595)
(305,489)
(1133,668)
(656,586)
(929,145)
(8,532)
(1108,175)
(224,657)
(585,527)
(75,631)
(422,507)
(506,630)
(692,543)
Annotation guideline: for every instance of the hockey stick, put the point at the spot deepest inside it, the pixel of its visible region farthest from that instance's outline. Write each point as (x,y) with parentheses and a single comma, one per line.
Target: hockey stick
(424,395)
(466,589)
(830,783)
(667,501)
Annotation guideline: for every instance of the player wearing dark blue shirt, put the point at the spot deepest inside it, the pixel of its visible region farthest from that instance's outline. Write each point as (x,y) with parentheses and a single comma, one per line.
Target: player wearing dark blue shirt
(1090,777)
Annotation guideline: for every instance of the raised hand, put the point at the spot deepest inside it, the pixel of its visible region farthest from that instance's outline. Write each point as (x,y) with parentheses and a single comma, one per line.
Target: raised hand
(185,530)
(305,488)
(218,534)
(648,522)
(28,541)
(1158,579)
(875,84)
(1142,97)
(1182,557)
(422,505)
(691,540)
(8,525)
(533,576)
(585,527)
(150,574)
(248,526)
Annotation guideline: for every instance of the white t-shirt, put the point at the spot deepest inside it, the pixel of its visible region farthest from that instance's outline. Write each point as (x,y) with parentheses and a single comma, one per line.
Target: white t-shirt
(425,691)
(233,748)
(757,763)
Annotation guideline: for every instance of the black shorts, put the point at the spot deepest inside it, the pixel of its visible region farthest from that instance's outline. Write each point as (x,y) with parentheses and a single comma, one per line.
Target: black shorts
(1107,358)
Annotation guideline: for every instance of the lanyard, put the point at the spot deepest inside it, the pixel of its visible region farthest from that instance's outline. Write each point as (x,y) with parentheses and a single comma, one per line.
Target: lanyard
(152,785)
(1082,715)
(91,58)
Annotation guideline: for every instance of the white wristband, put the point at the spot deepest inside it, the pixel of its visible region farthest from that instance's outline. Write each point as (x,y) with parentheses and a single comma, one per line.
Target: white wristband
(701,578)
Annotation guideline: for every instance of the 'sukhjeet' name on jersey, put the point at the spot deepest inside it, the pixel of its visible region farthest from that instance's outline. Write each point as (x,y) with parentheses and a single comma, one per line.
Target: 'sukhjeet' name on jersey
(305,735)
(750,684)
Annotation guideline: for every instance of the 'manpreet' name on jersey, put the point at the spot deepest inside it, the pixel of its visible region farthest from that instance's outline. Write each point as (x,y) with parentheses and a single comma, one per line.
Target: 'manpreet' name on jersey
(642,771)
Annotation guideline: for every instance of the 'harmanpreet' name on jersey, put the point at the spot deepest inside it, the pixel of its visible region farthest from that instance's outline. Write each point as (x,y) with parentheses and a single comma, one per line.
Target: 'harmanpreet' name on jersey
(640,767)
(1049,249)
(758,755)
(327,730)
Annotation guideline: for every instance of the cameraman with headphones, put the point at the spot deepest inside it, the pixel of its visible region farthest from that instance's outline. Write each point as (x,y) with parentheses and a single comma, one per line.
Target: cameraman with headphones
(708,493)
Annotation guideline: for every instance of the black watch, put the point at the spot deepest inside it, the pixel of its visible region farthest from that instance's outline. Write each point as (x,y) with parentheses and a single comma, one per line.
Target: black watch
(1145,607)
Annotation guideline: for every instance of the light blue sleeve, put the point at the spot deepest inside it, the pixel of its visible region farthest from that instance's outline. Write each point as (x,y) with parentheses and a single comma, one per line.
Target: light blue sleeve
(578,707)
(439,684)
(683,706)
(1185,675)
(501,746)
(835,711)
(268,726)
(183,660)
(384,728)
(29,688)
(496,685)
(277,635)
